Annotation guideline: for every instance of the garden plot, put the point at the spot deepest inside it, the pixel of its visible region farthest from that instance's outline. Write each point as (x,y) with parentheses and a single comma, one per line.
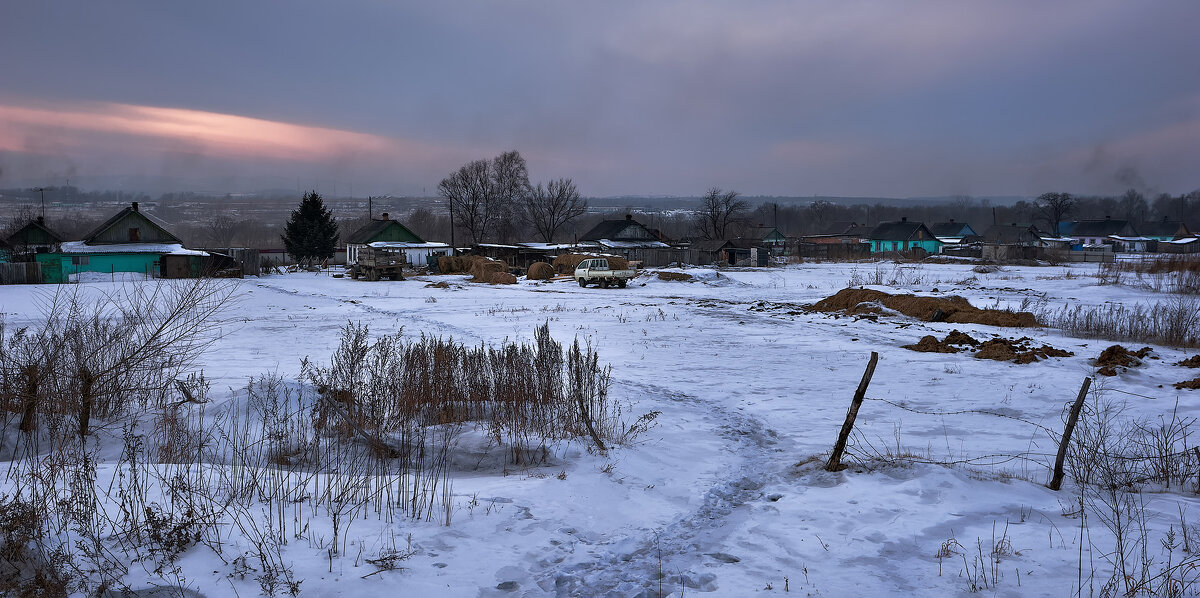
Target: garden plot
(723,494)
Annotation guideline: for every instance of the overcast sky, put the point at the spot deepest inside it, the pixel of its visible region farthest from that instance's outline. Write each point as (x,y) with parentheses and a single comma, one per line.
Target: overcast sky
(769,98)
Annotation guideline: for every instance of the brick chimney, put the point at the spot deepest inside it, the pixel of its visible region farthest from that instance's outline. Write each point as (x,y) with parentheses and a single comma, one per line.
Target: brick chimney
(629,217)
(904,219)
(135,206)
(384,216)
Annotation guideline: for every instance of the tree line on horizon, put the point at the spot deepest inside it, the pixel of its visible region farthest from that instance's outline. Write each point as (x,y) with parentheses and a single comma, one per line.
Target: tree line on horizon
(495,201)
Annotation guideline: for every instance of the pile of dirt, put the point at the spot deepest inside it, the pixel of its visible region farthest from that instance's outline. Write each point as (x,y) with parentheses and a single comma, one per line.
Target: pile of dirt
(930,344)
(1191,362)
(438,285)
(675,276)
(1193,384)
(1019,350)
(953,309)
(540,271)
(1117,359)
(566,263)
(954,342)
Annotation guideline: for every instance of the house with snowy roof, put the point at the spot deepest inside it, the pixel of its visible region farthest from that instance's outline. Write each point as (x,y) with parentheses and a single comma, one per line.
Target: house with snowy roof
(129,242)
(386,233)
(625,237)
(1164,230)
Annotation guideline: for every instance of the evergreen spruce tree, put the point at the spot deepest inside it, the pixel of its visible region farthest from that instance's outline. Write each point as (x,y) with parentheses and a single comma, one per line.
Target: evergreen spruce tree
(311,234)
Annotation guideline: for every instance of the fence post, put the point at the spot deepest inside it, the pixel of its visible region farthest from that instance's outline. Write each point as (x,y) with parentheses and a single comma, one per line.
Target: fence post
(1072,418)
(835,459)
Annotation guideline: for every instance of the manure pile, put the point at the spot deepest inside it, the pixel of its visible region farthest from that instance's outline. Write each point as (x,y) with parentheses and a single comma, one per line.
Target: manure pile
(1019,350)
(953,309)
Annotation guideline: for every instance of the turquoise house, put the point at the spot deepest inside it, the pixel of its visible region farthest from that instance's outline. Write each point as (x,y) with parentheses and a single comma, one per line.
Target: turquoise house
(903,237)
(130,241)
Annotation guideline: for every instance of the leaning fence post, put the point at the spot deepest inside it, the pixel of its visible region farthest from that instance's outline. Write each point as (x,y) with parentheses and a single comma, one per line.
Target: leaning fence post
(1072,418)
(835,460)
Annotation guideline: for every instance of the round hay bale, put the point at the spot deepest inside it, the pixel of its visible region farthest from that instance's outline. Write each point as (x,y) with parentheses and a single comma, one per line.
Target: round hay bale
(503,278)
(540,271)
(483,268)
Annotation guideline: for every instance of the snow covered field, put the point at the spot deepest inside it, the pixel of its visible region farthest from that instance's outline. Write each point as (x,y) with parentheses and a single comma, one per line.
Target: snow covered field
(727,495)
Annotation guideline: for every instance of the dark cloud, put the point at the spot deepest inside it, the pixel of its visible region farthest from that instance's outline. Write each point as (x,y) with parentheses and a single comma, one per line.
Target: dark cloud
(860,98)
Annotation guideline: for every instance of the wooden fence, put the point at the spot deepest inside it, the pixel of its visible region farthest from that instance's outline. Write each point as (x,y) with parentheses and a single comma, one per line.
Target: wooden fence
(21,273)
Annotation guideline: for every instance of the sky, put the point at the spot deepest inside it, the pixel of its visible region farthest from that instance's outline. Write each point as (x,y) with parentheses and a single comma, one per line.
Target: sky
(358,97)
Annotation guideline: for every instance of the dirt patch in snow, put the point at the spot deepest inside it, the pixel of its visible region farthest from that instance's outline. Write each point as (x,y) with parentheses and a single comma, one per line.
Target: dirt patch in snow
(1191,362)
(438,285)
(1019,350)
(676,276)
(953,343)
(953,309)
(1193,384)
(1117,359)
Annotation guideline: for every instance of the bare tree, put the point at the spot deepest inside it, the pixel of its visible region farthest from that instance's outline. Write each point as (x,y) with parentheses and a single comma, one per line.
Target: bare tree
(1134,206)
(484,194)
(468,190)
(1053,207)
(548,208)
(220,230)
(719,212)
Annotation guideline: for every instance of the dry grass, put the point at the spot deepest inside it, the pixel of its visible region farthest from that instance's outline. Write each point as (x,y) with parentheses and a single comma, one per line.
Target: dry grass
(1168,274)
(1174,322)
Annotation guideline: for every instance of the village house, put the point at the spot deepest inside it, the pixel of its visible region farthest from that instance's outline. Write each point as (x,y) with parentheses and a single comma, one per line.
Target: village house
(33,238)
(1096,233)
(954,232)
(903,236)
(626,237)
(130,241)
(392,235)
(1013,234)
(766,236)
(1164,230)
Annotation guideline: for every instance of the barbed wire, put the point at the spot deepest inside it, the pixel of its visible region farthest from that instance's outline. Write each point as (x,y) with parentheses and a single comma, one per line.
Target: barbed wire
(964,412)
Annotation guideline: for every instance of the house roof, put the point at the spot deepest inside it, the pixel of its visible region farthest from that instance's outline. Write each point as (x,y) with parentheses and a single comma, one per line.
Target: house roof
(898,231)
(132,209)
(838,227)
(759,233)
(1011,233)
(1095,228)
(1164,228)
(38,225)
(951,229)
(625,229)
(711,244)
(373,229)
(81,247)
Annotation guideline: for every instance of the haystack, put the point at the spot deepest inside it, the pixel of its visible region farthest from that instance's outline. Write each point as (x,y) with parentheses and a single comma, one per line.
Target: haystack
(458,264)
(540,271)
(502,278)
(680,276)
(953,309)
(482,269)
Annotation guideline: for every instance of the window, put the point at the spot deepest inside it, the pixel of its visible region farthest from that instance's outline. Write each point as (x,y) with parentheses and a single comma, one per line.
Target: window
(79,260)
(135,235)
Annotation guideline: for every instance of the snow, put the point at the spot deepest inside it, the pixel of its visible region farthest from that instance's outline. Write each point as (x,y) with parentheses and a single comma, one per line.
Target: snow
(727,492)
(163,248)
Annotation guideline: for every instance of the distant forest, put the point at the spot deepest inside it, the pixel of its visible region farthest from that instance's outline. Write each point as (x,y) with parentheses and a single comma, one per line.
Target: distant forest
(217,221)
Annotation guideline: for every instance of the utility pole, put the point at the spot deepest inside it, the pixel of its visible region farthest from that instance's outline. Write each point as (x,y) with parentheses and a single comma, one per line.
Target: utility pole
(453,247)
(42,192)
(370,208)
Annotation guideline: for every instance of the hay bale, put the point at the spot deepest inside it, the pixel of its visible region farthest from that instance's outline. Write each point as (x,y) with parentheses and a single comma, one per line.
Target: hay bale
(502,278)
(456,264)
(482,269)
(540,271)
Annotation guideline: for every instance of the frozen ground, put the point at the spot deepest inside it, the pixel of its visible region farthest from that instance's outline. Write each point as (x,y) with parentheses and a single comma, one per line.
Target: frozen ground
(726,496)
